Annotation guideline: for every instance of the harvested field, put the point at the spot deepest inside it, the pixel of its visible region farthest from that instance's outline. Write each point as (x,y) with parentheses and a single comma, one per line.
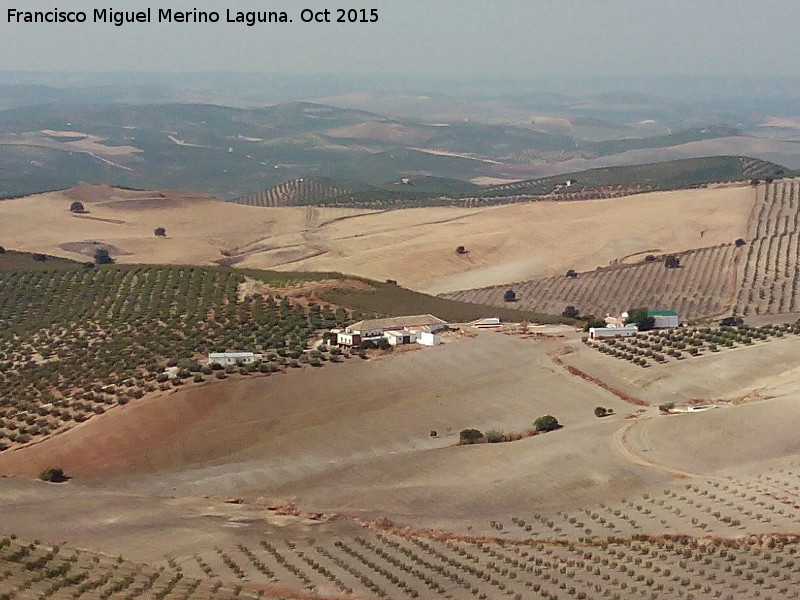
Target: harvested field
(416,247)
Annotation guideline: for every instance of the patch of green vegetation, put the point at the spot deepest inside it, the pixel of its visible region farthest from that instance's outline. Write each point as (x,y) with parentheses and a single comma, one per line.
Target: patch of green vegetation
(77,341)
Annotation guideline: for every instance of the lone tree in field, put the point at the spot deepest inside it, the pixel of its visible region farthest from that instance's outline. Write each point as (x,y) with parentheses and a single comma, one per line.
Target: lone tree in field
(601,411)
(101,257)
(571,274)
(469,436)
(570,312)
(672,262)
(160,232)
(461,250)
(77,207)
(510,296)
(546,423)
(740,242)
(53,475)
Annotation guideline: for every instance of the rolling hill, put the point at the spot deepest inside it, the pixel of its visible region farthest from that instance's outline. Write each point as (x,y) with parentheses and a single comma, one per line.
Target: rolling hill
(756,276)
(592,184)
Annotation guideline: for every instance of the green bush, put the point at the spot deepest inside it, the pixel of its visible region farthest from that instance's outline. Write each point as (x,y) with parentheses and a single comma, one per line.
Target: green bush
(546,423)
(469,436)
(53,475)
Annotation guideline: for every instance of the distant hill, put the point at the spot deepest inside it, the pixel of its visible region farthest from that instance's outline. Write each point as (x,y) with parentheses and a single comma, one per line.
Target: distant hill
(322,191)
(233,153)
(297,192)
(606,182)
(668,175)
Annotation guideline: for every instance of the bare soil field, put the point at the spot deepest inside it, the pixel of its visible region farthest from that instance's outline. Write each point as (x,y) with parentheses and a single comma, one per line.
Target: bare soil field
(414,246)
(272,437)
(200,485)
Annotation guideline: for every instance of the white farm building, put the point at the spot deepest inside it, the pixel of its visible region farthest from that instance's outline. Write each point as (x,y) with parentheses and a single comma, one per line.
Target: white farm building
(396,330)
(600,333)
(234,358)
(664,319)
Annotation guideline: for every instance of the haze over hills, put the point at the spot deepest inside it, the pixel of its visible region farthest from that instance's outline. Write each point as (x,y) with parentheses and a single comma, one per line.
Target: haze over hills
(206,137)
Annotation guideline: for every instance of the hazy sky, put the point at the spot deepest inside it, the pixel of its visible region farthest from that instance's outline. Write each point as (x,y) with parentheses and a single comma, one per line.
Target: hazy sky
(426,37)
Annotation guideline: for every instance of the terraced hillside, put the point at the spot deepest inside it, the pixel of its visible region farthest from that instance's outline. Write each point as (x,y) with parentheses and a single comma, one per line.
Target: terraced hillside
(770,272)
(759,276)
(300,192)
(702,286)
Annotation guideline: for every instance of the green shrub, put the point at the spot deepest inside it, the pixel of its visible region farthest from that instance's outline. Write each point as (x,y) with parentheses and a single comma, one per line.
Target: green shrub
(53,475)
(469,436)
(546,423)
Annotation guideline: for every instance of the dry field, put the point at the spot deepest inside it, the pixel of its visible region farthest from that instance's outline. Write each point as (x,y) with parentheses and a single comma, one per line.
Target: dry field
(759,278)
(603,508)
(415,246)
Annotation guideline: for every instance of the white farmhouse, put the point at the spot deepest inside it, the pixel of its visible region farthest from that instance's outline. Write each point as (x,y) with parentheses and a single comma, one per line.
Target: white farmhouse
(375,328)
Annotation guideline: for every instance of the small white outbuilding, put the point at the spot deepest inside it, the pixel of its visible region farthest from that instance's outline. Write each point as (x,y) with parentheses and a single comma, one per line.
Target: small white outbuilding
(427,338)
(599,333)
(234,358)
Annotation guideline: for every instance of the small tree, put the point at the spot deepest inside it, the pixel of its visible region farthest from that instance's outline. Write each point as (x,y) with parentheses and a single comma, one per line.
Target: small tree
(592,321)
(640,318)
(570,312)
(740,242)
(546,423)
(160,232)
(571,274)
(53,475)
(2,250)
(510,296)
(77,207)
(101,257)
(461,250)
(666,408)
(731,321)
(672,262)
(469,436)
(600,411)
